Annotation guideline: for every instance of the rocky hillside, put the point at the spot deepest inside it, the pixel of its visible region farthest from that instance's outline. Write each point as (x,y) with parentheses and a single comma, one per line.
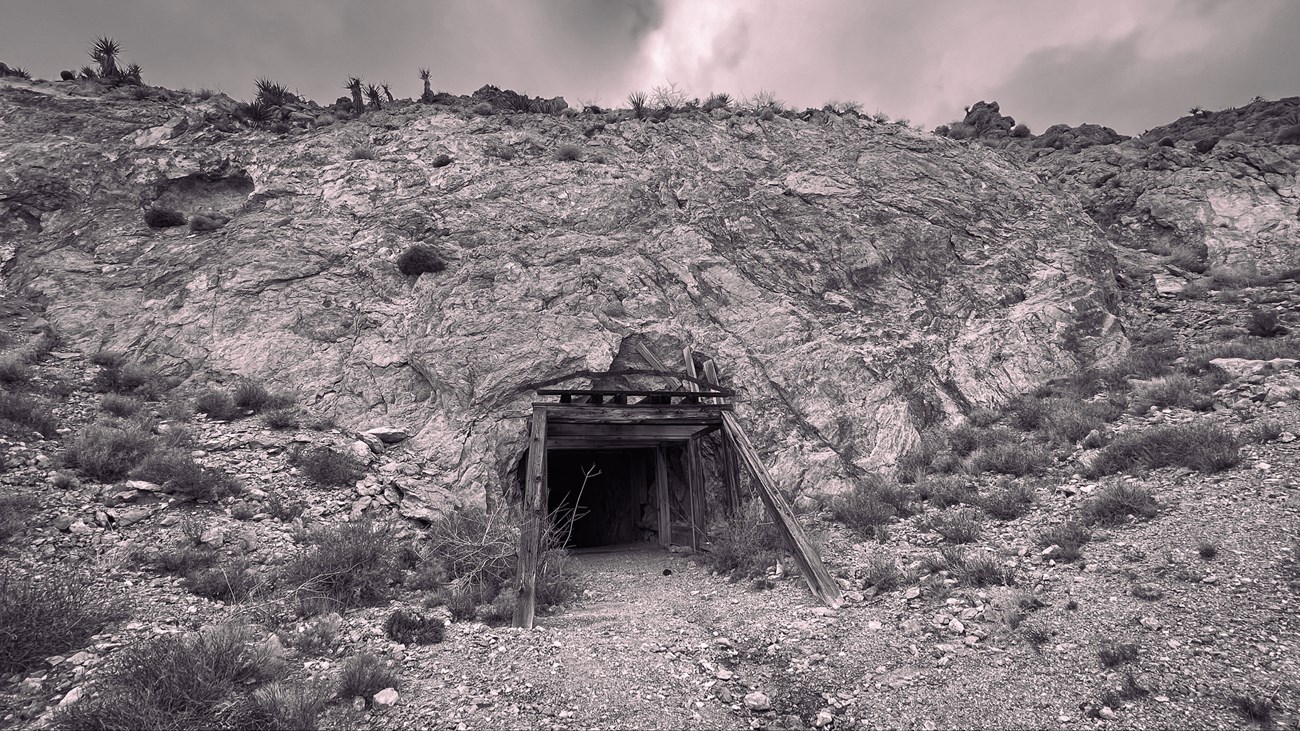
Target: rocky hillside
(855,281)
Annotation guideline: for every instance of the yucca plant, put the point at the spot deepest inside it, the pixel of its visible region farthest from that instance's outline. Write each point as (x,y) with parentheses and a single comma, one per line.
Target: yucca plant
(372,92)
(354,86)
(105,51)
(132,73)
(271,93)
(637,100)
(89,72)
(388,94)
(256,113)
(427,96)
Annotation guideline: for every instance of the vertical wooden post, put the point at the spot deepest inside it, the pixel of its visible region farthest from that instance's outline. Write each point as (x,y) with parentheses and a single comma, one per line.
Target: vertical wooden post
(730,476)
(820,581)
(695,476)
(532,533)
(665,504)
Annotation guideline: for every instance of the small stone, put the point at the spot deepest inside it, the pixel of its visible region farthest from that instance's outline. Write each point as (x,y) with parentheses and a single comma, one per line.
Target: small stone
(213,536)
(79,528)
(824,719)
(1106,713)
(372,441)
(911,627)
(956,627)
(758,702)
(388,434)
(358,704)
(1150,623)
(73,696)
(386,698)
(724,675)
(80,658)
(912,592)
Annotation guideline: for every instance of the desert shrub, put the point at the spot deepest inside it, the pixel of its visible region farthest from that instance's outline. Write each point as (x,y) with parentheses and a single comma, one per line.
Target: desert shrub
(420,259)
(1254,706)
(1265,324)
(747,544)
(1069,420)
(315,636)
(14,371)
(133,379)
(1009,459)
(256,398)
(1288,135)
(108,453)
(164,218)
(362,152)
(286,418)
(1207,549)
(1113,654)
(217,405)
(1068,539)
(499,150)
(920,459)
(983,417)
(971,568)
(1011,501)
(956,525)
(720,100)
(865,508)
(181,560)
(568,153)
(230,582)
(881,572)
(285,707)
(204,679)
(966,438)
(15,511)
(483,109)
(1176,391)
(1261,431)
(23,414)
(119,405)
(364,675)
(284,508)
(942,491)
(326,466)
(179,474)
(412,628)
(1198,359)
(1116,502)
(1202,447)
(351,565)
(47,615)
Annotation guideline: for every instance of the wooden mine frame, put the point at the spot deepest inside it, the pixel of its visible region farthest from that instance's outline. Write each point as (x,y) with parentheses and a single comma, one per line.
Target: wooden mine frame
(688,409)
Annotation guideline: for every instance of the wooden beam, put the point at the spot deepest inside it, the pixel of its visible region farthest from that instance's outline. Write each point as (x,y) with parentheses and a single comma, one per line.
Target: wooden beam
(701,414)
(657,364)
(730,475)
(695,477)
(533,531)
(664,496)
(805,554)
(677,432)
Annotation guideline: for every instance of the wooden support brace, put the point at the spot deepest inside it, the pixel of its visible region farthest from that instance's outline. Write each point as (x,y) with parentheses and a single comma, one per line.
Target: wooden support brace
(534,527)
(730,475)
(665,505)
(695,478)
(820,581)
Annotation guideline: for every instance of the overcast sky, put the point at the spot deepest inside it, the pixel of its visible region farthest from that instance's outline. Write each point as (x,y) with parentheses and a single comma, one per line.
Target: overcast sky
(1128,64)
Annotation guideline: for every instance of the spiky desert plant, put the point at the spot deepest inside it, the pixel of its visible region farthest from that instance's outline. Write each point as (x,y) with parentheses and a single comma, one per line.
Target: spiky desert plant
(372,92)
(105,51)
(89,72)
(427,96)
(354,86)
(132,73)
(637,100)
(387,93)
(271,93)
(255,113)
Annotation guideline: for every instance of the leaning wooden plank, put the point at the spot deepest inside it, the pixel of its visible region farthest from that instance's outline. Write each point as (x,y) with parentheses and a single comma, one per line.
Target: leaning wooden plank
(805,554)
(534,527)
(695,478)
(657,364)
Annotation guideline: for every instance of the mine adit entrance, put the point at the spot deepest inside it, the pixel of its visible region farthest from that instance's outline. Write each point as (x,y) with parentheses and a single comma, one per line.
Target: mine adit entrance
(628,464)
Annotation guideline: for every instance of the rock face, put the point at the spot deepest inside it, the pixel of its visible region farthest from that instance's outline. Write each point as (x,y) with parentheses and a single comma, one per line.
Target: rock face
(855,282)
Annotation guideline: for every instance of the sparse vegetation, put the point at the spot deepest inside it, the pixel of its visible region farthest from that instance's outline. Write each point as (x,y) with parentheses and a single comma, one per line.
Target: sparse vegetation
(864,508)
(362,152)
(14,371)
(638,101)
(327,466)
(1176,391)
(882,572)
(179,474)
(1202,447)
(420,259)
(45,615)
(971,568)
(286,418)
(15,510)
(350,565)
(1254,706)
(1068,539)
(364,675)
(118,376)
(120,406)
(957,525)
(568,153)
(1011,501)
(1207,549)
(217,405)
(107,452)
(1113,654)
(254,397)
(1114,504)
(20,414)
(413,628)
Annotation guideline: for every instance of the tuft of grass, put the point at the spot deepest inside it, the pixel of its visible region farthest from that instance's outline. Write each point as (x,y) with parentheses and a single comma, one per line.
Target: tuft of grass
(747,544)
(22,414)
(1115,503)
(231,582)
(882,572)
(413,628)
(1068,538)
(119,405)
(499,150)
(863,509)
(133,379)
(108,453)
(362,152)
(1202,447)
(326,466)
(1265,324)
(568,152)
(179,474)
(1066,421)
(364,675)
(1207,549)
(1113,654)
(15,511)
(351,565)
(973,568)
(1008,502)
(983,417)
(286,418)
(420,259)
(1177,391)
(942,491)
(14,371)
(217,405)
(957,525)
(254,397)
(1254,706)
(47,615)
(1009,459)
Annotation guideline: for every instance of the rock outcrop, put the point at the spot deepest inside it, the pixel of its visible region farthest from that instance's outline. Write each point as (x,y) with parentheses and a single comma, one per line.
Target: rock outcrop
(856,282)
